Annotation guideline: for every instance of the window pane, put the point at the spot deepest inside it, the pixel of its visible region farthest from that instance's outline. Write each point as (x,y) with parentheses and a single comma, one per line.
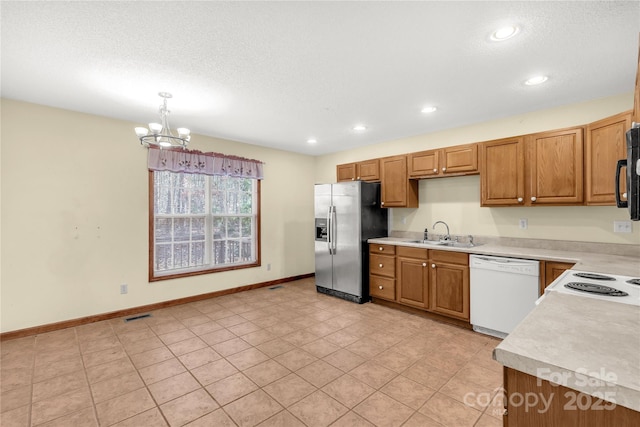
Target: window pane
(233,251)
(246,203)
(198,229)
(181,255)
(246,249)
(246,226)
(218,228)
(233,206)
(197,254)
(233,227)
(163,229)
(163,257)
(181,229)
(219,251)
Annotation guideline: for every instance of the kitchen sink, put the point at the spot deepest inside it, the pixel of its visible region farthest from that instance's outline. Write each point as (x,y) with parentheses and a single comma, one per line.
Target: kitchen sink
(449,243)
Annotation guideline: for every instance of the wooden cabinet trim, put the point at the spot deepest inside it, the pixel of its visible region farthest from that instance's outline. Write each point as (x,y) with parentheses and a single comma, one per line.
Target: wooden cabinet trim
(449,257)
(411,252)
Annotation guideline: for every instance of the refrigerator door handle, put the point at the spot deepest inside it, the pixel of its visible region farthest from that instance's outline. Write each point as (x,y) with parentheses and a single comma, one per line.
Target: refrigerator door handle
(329,229)
(334,230)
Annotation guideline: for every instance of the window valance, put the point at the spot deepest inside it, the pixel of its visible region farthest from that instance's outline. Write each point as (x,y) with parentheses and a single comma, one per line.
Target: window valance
(193,161)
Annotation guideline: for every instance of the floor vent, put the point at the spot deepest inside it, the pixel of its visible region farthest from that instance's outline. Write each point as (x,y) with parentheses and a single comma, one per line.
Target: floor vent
(142,316)
(275,287)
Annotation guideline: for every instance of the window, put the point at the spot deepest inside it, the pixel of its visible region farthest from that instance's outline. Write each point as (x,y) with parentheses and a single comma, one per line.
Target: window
(201,224)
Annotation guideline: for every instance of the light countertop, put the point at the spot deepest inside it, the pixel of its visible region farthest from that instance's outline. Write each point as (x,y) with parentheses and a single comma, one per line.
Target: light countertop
(586,344)
(623,265)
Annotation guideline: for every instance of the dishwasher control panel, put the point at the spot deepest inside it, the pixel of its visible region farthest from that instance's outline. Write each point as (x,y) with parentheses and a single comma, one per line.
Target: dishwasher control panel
(506,265)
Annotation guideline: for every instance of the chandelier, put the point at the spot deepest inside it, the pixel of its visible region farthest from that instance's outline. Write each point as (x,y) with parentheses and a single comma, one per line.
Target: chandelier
(159,134)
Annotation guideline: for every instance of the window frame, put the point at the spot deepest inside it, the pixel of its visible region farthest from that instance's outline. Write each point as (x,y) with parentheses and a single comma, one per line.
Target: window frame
(258,236)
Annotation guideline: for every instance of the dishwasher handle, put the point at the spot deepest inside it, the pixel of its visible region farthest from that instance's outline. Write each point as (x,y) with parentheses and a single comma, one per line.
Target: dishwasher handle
(507,265)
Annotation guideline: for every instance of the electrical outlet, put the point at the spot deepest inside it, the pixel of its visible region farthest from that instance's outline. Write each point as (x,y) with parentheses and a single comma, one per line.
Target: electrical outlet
(622,227)
(124,288)
(524,223)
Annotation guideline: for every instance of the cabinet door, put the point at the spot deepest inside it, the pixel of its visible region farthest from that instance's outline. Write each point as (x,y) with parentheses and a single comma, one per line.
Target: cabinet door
(450,290)
(461,159)
(552,270)
(369,170)
(412,281)
(424,163)
(606,144)
(346,172)
(502,172)
(555,167)
(396,189)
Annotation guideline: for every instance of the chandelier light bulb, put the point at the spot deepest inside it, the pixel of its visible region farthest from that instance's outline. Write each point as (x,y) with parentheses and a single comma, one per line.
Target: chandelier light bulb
(156,128)
(182,132)
(140,131)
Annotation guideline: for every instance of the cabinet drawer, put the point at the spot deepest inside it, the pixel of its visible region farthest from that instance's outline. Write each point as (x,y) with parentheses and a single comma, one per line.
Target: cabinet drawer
(375,248)
(449,257)
(410,252)
(382,265)
(382,287)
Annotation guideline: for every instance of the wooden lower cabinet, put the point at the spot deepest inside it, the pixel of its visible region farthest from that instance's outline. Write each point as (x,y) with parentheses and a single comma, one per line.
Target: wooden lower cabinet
(412,276)
(382,272)
(450,284)
(534,402)
(433,281)
(550,271)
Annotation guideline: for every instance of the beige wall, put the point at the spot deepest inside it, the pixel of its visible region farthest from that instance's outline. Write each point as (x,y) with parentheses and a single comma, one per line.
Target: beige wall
(75,217)
(456,200)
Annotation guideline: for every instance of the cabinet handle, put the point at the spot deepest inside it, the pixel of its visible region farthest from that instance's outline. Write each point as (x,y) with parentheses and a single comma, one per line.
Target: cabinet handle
(520,199)
(353,179)
(381,248)
(357,177)
(435,170)
(444,169)
(382,203)
(533,199)
(433,266)
(624,195)
(424,264)
(380,265)
(380,287)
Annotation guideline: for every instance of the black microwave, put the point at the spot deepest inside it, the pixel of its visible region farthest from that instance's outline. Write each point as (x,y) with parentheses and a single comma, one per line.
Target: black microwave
(632,165)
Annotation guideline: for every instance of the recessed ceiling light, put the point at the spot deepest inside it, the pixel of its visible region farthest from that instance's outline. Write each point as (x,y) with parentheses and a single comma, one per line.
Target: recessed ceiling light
(359,128)
(504,33)
(536,80)
(311,141)
(429,109)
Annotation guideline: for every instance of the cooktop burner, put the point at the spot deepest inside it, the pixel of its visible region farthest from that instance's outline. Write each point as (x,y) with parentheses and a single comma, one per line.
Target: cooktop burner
(595,289)
(634,282)
(593,276)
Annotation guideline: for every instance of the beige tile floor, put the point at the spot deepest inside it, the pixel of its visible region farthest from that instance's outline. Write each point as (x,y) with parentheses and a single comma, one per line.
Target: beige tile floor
(281,357)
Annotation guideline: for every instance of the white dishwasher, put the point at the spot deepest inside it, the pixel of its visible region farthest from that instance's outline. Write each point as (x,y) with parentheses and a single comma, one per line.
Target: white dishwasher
(503,292)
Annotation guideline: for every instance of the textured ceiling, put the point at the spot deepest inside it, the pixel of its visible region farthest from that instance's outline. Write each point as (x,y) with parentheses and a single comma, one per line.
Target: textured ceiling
(278,73)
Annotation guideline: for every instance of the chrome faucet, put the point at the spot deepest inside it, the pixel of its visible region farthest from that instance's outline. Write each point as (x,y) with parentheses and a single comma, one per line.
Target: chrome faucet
(446,236)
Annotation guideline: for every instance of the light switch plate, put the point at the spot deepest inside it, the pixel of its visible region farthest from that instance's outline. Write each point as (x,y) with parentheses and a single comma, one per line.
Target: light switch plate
(524,224)
(622,227)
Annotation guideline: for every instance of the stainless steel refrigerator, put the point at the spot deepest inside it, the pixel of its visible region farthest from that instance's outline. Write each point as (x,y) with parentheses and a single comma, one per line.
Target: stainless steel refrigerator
(346,215)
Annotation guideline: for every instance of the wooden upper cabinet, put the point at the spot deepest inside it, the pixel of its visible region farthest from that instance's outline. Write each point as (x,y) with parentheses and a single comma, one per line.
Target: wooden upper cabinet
(606,144)
(460,160)
(424,164)
(346,172)
(396,190)
(555,173)
(367,170)
(449,161)
(502,172)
